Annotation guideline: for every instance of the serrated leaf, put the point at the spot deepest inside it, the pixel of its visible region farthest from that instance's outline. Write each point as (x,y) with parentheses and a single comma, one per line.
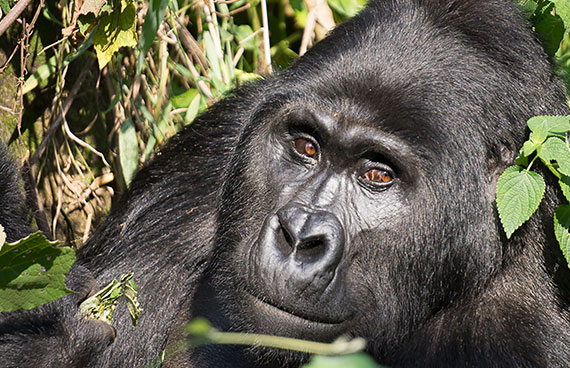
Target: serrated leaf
(128,150)
(33,272)
(528,148)
(561,225)
(519,193)
(359,360)
(117,28)
(553,124)
(539,134)
(564,183)
(555,149)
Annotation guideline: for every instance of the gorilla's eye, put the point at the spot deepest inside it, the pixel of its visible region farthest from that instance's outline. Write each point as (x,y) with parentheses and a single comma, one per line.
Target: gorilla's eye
(378,176)
(305,147)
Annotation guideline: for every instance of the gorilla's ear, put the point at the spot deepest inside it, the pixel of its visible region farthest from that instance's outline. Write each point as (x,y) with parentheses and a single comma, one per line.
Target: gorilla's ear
(500,157)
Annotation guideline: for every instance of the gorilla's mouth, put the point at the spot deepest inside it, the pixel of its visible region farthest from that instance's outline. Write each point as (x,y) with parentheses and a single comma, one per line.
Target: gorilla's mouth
(269,308)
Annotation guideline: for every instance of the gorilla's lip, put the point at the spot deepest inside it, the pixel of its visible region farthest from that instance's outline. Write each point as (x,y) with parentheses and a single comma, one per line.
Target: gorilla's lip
(287,313)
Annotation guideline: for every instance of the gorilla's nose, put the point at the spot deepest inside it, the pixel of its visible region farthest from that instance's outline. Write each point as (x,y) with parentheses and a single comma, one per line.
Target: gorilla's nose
(309,236)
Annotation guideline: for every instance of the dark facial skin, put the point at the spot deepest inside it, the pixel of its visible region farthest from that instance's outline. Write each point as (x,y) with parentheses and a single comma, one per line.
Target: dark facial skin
(332,181)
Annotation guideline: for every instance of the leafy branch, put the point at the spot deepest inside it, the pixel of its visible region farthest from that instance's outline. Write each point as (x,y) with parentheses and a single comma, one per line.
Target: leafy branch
(520,190)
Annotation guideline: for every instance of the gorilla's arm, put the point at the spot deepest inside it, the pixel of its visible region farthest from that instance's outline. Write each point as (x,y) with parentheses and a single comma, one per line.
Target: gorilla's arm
(162,229)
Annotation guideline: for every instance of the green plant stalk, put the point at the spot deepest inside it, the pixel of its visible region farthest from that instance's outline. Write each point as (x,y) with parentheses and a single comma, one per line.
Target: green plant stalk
(338,347)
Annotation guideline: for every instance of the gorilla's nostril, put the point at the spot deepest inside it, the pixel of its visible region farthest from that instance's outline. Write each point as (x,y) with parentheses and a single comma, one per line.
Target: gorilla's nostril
(311,250)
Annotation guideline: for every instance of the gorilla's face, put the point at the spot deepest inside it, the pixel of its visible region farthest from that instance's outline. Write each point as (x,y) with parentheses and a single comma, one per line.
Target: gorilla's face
(336,220)
(359,199)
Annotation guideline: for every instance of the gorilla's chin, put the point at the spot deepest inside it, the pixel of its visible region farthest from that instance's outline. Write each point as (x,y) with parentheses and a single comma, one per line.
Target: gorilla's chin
(275,319)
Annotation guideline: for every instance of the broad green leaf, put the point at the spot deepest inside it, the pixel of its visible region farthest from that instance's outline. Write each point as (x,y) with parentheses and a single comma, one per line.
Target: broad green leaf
(117,28)
(85,23)
(41,74)
(128,150)
(244,31)
(563,10)
(557,150)
(32,272)
(528,148)
(346,8)
(564,183)
(561,225)
(529,7)
(549,28)
(152,20)
(553,124)
(539,134)
(359,360)
(519,193)
(184,99)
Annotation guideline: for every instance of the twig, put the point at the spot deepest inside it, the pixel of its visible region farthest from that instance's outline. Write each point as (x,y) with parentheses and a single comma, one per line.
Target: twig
(66,105)
(82,143)
(12,15)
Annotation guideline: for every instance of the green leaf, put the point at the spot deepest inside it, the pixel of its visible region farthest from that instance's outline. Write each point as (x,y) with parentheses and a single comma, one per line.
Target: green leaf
(117,28)
(563,10)
(128,150)
(555,149)
(131,298)
(519,193)
(6,5)
(565,186)
(528,148)
(561,225)
(359,360)
(193,109)
(553,124)
(346,8)
(32,272)
(244,31)
(152,20)
(42,73)
(102,305)
(549,28)
(539,134)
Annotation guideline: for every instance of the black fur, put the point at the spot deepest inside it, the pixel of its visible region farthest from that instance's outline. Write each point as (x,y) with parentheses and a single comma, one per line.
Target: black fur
(436,93)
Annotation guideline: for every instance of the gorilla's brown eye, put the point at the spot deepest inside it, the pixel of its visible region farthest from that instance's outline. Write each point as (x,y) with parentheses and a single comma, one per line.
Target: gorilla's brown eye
(305,147)
(378,176)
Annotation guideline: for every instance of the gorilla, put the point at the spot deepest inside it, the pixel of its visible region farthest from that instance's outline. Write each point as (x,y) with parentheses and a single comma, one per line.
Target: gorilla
(351,194)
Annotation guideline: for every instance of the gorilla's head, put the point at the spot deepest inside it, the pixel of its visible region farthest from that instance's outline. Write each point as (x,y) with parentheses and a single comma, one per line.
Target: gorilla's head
(360,198)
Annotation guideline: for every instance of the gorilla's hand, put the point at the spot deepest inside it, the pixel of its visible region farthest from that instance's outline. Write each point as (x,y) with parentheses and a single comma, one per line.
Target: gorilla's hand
(54,334)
